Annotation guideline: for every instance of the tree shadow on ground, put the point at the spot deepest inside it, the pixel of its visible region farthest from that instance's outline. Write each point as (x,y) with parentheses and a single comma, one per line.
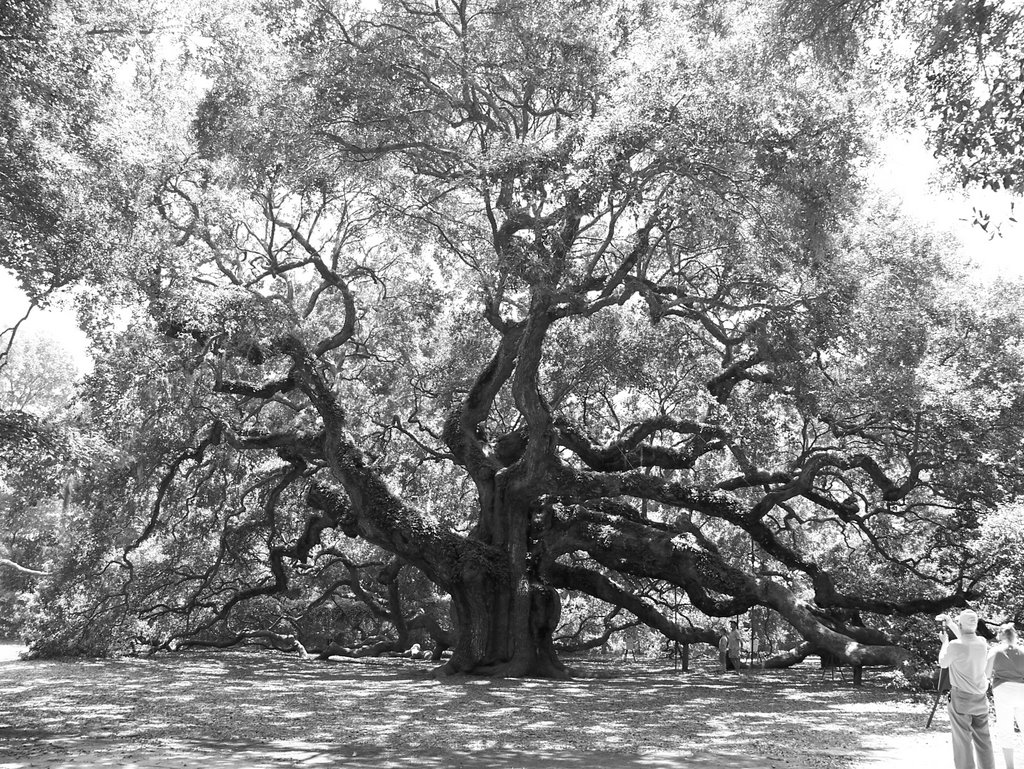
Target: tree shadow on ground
(254,709)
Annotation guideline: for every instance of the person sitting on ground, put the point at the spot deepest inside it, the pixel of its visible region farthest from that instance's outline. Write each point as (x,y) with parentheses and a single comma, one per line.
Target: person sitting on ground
(966,659)
(1005,666)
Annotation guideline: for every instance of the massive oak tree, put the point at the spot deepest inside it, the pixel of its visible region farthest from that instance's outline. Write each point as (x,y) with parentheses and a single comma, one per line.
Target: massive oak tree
(612,268)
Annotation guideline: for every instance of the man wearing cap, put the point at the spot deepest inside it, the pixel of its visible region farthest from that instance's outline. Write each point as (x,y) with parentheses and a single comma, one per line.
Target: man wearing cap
(968,704)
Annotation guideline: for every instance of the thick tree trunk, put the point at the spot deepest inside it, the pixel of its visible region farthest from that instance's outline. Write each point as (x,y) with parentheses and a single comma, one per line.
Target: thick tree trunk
(505,629)
(504,614)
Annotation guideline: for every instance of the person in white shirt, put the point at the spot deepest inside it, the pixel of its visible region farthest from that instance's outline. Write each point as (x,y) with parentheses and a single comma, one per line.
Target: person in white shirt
(1006,669)
(966,658)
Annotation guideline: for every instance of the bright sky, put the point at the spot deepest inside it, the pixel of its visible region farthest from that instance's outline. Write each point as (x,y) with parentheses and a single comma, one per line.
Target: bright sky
(909,170)
(57,321)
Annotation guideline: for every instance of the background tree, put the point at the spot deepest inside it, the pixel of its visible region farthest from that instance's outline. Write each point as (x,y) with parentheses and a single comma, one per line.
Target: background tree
(39,374)
(31,507)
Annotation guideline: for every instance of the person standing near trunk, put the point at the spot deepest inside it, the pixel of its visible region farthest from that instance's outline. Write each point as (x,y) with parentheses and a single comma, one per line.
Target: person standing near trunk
(735,646)
(966,658)
(723,650)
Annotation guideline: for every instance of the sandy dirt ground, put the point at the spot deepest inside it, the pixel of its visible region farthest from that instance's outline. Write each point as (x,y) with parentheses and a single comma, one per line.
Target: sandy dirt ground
(253,709)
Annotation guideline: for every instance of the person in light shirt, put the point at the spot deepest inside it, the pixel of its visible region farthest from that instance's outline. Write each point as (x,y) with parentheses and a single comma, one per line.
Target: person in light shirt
(1006,669)
(967,657)
(736,647)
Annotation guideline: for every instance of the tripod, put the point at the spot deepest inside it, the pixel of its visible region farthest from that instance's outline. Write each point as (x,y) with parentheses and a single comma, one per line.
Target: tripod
(940,688)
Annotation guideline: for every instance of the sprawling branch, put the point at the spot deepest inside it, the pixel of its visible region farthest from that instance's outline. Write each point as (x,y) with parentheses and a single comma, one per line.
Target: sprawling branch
(634,548)
(462,429)
(282,641)
(590,486)
(630,451)
(599,586)
(330,277)
(23,569)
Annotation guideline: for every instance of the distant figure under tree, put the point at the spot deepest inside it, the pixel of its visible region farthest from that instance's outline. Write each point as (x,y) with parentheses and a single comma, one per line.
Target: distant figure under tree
(735,646)
(631,644)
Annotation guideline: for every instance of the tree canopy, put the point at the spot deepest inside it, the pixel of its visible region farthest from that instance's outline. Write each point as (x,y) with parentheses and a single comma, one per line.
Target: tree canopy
(439,314)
